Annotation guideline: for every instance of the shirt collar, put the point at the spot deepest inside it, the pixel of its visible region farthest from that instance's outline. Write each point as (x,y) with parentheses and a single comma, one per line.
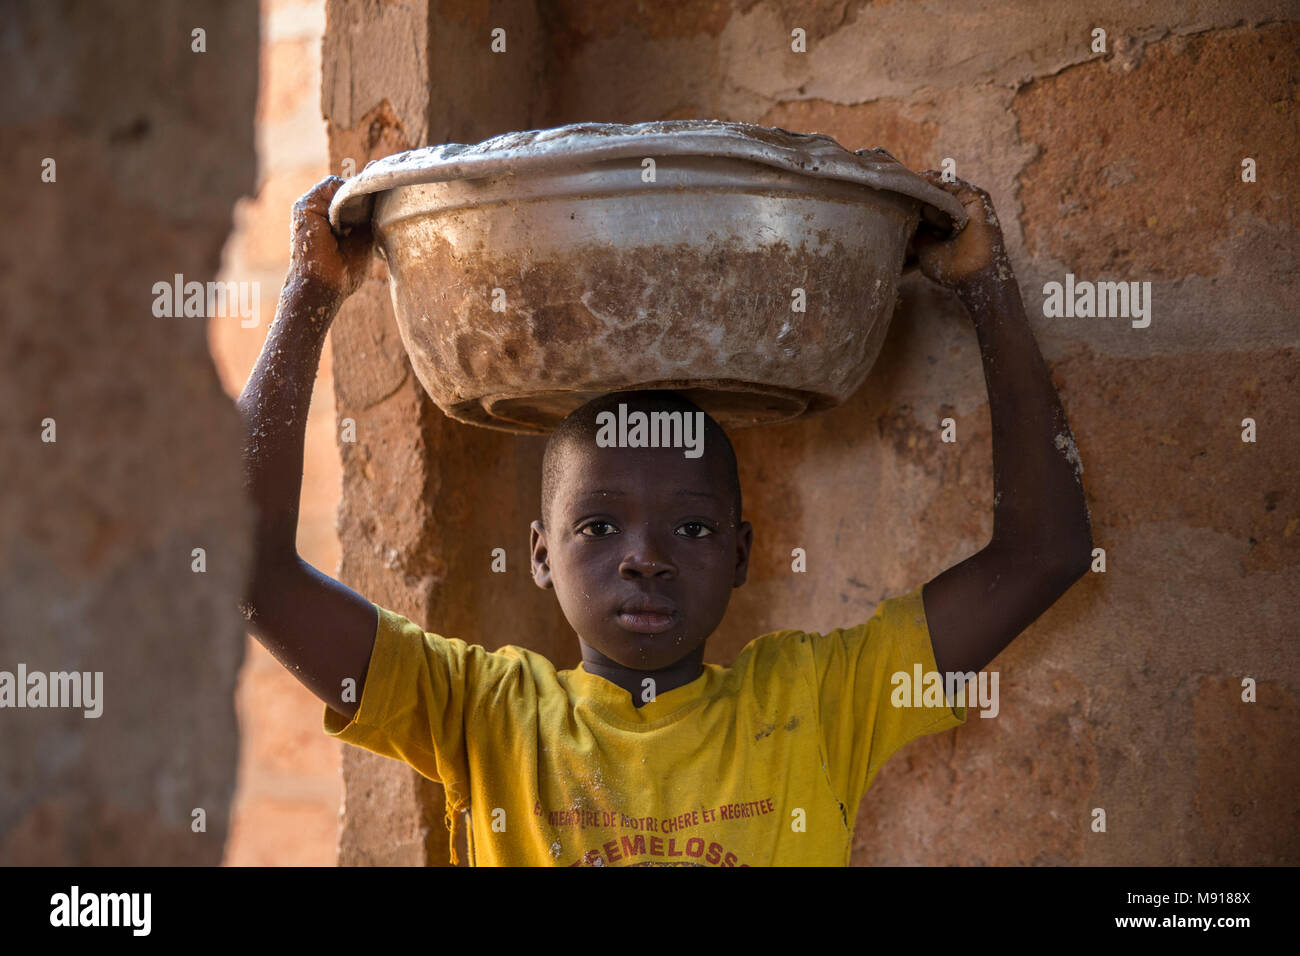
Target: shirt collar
(615,702)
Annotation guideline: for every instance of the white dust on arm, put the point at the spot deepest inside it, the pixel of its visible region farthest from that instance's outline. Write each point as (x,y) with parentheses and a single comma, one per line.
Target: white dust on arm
(1065,445)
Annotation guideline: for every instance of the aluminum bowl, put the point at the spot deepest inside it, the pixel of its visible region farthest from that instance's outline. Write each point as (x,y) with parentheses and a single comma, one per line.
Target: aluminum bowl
(536,270)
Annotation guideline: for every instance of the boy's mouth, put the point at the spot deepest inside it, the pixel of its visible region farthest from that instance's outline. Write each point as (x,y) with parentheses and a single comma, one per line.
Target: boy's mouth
(647,615)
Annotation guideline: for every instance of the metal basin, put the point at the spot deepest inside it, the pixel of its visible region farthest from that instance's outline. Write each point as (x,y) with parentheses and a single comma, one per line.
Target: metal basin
(753,269)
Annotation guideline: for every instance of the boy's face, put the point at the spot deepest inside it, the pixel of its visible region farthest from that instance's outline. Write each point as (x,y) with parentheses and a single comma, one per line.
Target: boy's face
(642,551)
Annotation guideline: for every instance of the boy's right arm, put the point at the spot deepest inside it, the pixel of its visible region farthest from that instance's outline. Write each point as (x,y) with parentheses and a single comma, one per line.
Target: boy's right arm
(321,630)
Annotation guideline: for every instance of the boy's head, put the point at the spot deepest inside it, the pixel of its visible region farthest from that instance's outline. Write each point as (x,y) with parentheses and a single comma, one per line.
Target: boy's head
(641,544)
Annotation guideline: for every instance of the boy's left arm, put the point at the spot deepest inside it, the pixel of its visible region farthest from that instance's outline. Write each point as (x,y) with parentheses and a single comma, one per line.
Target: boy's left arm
(1042,539)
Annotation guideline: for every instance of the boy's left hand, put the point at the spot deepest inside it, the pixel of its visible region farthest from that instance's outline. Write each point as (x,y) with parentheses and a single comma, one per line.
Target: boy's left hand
(976,250)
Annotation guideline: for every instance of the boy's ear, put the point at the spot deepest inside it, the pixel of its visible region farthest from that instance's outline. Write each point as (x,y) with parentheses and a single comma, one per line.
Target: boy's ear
(744,541)
(540,556)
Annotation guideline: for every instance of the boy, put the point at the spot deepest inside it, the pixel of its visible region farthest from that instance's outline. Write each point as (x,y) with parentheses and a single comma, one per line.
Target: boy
(644,755)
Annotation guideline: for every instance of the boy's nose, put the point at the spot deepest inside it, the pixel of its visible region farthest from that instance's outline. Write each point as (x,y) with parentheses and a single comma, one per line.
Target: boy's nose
(645,560)
(635,567)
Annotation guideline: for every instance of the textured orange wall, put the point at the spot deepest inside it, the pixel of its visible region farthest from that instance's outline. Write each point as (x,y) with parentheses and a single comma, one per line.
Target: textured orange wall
(1116,165)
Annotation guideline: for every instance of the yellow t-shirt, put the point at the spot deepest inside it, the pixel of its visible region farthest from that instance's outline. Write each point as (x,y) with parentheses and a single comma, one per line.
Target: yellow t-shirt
(760,763)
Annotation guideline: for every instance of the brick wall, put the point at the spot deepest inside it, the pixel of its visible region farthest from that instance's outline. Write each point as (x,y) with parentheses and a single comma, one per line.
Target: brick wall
(1122,163)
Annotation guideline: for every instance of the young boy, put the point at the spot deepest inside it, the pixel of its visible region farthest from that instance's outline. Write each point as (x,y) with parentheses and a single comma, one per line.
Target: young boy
(645,755)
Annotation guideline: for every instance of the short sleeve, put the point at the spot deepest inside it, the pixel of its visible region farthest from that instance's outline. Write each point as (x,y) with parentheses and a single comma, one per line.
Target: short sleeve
(417,691)
(862,673)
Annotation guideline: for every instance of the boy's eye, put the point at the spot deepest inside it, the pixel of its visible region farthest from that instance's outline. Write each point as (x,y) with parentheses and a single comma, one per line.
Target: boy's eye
(693,529)
(699,526)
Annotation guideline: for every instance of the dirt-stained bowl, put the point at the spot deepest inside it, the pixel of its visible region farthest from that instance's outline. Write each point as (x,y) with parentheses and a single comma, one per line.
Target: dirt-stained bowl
(753,269)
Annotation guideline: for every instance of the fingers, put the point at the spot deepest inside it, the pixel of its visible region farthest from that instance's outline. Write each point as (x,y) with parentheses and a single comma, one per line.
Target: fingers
(953,185)
(931,218)
(313,206)
(357,249)
(978,203)
(967,193)
(317,199)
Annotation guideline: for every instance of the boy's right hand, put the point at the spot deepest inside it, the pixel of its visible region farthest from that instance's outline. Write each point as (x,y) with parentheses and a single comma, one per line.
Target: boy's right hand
(337,263)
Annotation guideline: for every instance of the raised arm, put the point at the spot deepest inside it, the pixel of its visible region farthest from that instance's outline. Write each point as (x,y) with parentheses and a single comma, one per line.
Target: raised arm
(320,629)
(1042,539)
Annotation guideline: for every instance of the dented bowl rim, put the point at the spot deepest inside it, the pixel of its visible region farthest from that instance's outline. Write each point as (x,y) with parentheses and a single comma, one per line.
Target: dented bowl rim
(815,155)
